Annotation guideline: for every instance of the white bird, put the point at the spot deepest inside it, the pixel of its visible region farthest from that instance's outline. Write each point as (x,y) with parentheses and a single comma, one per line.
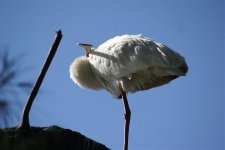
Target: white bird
(127,63)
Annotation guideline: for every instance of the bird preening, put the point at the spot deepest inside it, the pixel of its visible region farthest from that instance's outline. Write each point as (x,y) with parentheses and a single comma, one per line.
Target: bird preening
(127,64)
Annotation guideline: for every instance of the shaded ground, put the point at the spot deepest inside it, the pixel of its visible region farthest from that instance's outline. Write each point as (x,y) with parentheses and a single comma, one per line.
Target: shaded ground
(46,138)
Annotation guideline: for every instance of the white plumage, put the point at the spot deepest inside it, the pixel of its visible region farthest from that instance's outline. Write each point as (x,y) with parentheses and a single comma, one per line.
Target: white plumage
(127,63)
(138,63)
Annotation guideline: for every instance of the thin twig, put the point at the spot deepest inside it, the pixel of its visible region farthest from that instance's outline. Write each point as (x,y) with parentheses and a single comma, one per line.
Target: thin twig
(25,118)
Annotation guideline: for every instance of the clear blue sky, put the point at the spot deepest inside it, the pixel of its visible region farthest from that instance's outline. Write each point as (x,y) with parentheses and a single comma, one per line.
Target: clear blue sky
(187,114)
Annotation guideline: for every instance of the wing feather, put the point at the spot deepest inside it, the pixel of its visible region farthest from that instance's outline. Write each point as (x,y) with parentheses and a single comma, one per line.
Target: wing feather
(127,54)
(140,62)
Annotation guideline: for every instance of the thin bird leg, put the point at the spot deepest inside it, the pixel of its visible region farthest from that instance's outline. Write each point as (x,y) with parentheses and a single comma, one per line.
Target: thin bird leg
(127,116)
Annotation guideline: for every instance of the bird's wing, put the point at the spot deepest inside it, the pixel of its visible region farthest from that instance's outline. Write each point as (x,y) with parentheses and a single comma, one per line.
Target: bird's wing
(124,55)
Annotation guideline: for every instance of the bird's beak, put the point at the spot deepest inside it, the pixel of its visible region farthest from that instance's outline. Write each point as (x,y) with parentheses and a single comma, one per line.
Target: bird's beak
(87,48)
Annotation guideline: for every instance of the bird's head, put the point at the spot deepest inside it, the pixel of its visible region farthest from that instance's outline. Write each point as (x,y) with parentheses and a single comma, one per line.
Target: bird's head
(87,47)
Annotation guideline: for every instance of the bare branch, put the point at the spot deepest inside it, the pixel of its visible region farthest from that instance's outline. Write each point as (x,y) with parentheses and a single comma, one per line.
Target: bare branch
(25,118)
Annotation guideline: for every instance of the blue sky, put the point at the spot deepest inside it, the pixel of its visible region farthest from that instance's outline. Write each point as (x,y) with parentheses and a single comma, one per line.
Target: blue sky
(187,114)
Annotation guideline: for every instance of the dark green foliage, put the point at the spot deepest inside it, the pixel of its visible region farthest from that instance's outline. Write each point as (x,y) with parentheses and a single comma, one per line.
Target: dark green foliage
(10,87)
(46,138)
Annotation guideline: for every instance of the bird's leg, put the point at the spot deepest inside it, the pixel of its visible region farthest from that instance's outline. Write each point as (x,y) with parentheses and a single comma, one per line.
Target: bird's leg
(127,116)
